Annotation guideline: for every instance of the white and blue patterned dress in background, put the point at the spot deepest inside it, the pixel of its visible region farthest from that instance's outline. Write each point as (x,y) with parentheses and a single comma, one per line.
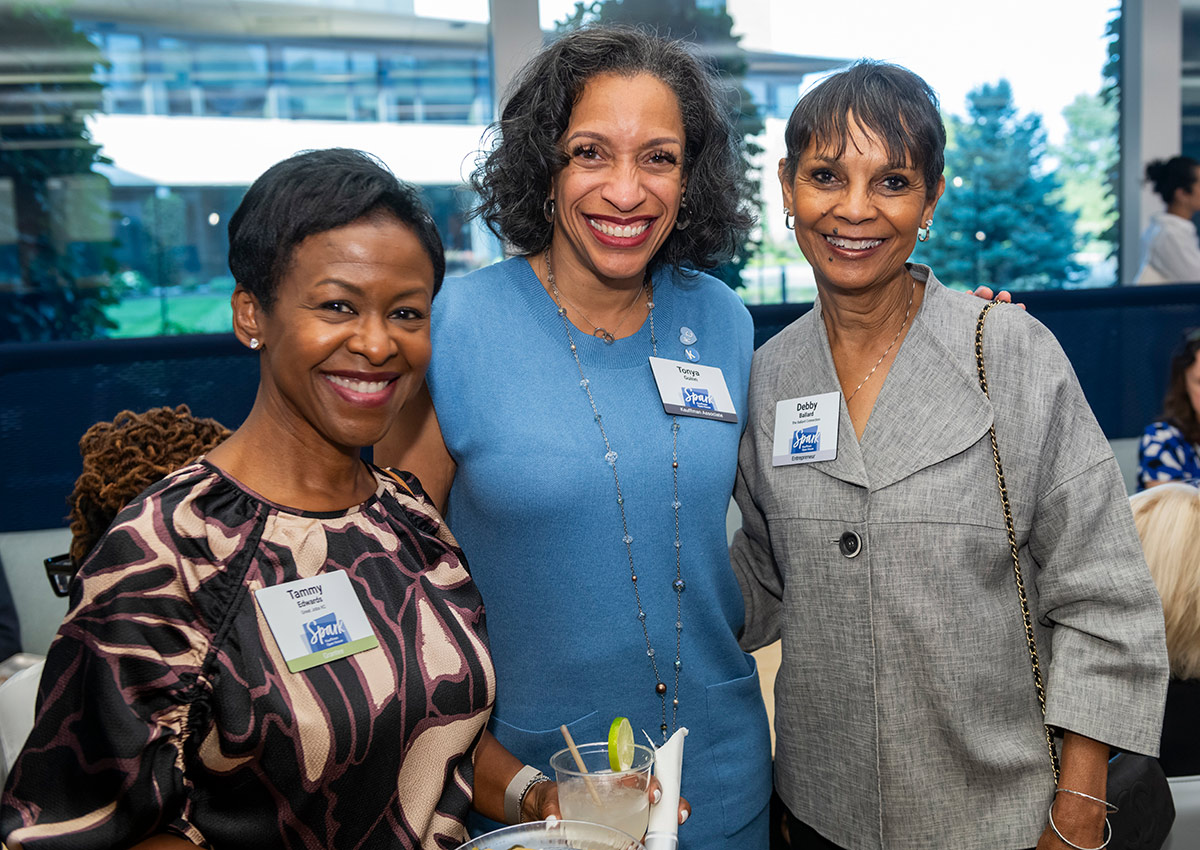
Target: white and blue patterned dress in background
(1166,455)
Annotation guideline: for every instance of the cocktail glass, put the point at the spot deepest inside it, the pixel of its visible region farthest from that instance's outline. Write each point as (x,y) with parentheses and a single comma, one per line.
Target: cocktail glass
(601,795)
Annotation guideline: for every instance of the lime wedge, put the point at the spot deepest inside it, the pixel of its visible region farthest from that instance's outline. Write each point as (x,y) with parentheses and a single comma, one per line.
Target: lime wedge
(620,744)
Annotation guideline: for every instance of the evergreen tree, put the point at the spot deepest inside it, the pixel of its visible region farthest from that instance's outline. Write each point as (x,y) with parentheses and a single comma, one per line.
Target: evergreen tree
(712,31)
(1000,221)
(1087,154)
(59,269)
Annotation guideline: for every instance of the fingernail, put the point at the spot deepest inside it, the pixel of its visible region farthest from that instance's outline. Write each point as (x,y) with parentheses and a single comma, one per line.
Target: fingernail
(683,817)
(657,795)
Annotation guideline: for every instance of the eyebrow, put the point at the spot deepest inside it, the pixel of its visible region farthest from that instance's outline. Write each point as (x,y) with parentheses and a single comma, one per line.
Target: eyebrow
(355,289)
(600,137)
(890,166)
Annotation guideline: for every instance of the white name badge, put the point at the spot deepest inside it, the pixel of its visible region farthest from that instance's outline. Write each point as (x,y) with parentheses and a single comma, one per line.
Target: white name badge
(316,620)
(806,429)
(689,389)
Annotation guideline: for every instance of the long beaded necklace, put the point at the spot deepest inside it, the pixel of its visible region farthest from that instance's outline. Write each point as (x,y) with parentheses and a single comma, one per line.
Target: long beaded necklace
(610,457)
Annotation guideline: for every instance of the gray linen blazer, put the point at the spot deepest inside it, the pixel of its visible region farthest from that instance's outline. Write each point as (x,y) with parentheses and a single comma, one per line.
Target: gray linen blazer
(905,710)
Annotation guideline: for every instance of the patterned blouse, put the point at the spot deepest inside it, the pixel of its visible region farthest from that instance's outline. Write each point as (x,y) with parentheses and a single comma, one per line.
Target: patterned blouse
(166,705)
(1165,455)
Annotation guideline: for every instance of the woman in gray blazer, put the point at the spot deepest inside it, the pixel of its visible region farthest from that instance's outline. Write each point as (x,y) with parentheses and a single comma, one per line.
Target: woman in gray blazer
(874,542)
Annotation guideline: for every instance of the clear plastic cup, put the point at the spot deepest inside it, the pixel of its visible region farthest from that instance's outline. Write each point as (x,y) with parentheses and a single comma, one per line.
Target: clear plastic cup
(601,795)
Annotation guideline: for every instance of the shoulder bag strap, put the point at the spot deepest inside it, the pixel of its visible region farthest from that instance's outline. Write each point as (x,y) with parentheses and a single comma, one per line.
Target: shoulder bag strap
(1012,547)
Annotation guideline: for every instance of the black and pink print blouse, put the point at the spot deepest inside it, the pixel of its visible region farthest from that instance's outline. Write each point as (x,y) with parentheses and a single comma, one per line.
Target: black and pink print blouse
(166,706)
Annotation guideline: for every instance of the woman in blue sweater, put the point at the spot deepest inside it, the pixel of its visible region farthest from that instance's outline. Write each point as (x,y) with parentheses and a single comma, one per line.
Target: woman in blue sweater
(590,496)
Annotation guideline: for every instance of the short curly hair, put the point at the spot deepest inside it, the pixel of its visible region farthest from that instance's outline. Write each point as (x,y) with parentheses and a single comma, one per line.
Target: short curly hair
(123,457)
(513,178)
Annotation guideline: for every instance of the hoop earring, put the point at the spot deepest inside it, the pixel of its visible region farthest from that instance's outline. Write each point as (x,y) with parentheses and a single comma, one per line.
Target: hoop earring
(923,233)
(787,219)
(548,210)
(680,222)
(254,344)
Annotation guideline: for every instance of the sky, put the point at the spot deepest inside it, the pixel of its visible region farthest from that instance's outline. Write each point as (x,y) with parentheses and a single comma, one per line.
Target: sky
(1049,50)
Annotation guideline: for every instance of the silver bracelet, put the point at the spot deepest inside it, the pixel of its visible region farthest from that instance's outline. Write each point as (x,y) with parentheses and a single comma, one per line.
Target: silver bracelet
(1109,807)
(518,787)
(1063,838)
(537,780)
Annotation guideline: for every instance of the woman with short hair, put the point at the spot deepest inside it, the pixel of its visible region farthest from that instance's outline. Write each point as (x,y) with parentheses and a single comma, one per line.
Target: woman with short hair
(279,645)
(874,541)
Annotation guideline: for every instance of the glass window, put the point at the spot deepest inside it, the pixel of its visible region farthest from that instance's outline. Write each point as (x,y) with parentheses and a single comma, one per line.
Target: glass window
(121,164)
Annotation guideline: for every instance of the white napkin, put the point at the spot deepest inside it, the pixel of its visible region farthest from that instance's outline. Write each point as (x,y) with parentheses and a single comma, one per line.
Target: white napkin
(663,831)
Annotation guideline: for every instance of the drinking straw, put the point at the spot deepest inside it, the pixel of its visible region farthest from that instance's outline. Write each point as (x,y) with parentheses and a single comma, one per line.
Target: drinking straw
(579,761)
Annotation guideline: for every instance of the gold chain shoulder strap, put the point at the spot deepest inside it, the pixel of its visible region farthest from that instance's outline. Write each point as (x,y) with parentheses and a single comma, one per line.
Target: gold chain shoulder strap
(1012,547)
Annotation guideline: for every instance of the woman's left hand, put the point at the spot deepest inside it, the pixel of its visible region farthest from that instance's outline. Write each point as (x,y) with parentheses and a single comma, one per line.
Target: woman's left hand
(1081,821)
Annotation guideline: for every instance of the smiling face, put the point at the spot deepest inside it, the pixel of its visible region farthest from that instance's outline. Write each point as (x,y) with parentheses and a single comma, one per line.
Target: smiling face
(346,341)
(856,213)
(617,198)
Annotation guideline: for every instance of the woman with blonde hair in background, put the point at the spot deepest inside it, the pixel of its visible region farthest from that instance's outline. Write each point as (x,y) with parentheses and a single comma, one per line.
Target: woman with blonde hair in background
(1168,521)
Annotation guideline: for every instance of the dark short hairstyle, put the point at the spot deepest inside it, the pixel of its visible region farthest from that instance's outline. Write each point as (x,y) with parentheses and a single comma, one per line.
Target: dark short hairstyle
(513,178)
(891,102)
(1168,175)
(313,192)
(1177,405)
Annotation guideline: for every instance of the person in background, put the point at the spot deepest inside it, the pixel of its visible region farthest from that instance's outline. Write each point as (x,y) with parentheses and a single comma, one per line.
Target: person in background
(1168,522)
(874,542)
(1170,447)
(189,699)
(595,519)
(1170,251)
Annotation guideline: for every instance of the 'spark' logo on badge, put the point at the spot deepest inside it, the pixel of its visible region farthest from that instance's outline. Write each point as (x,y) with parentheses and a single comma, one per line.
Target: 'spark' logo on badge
(698,398)
(806,441)
(325,632)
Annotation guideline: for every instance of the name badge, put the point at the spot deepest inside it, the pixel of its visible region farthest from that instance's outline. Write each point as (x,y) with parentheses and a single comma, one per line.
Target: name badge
(316,620)
(689,389)
(806,429)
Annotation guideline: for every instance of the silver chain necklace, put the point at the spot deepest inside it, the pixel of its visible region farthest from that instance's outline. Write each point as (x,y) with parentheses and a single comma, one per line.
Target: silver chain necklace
(610,457)
(601,333)
(911,292)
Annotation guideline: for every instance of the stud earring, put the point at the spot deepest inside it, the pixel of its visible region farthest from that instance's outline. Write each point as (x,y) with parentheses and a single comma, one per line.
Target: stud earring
(787,219)
(254,344)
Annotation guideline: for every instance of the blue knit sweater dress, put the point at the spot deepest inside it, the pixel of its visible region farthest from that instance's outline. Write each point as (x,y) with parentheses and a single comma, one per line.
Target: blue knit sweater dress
(534,508)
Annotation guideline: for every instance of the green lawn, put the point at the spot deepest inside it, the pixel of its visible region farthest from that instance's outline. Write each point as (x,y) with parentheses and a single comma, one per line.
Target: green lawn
(186,313)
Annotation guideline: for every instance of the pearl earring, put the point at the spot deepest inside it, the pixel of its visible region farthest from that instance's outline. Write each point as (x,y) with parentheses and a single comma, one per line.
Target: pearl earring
(254,344)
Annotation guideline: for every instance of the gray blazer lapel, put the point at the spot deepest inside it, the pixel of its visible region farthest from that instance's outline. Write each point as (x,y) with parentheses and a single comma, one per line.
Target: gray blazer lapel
(809,371)
(930,408)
